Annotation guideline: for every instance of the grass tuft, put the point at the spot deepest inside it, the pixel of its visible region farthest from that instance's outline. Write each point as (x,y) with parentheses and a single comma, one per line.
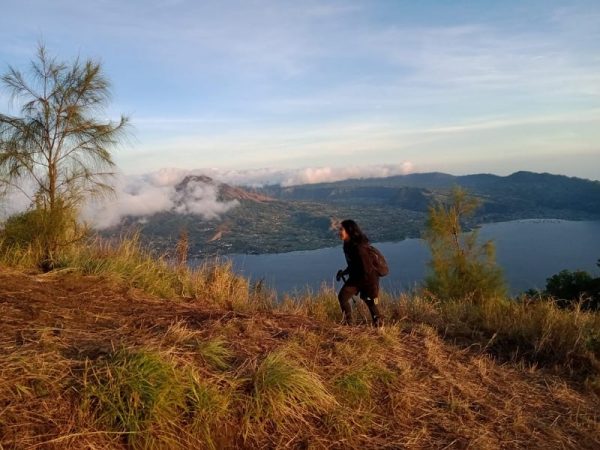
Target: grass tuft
(285,394)
(138,394)
(209,409)
(322,305)
(215,353)
(355,386)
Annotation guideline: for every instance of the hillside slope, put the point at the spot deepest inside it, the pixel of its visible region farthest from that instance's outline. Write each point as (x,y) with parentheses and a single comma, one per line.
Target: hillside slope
(400,388)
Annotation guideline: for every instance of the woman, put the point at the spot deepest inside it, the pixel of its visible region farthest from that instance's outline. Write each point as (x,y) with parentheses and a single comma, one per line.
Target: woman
(362,278)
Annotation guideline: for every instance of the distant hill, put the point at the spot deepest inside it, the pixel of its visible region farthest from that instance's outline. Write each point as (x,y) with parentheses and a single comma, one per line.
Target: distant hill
(413,198)
(284,218)
(521,192)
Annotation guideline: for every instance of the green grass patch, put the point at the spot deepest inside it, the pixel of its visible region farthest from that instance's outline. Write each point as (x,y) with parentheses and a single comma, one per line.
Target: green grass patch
(357,385)
(209,407)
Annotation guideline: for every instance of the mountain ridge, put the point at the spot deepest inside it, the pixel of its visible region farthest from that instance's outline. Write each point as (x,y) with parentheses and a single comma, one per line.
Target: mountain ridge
(275,218)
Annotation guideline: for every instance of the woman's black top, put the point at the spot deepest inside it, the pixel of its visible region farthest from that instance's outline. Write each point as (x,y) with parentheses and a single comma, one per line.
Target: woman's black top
(360,268)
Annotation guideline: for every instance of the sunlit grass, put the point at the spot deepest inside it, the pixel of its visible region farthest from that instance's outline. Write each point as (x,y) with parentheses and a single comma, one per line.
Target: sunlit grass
(538,331)
(17,256)
(322,304)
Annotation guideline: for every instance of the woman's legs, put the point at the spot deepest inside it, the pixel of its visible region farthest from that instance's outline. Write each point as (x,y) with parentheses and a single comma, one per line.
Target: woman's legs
(374,310)
(344,297)
(346,293)
(370,294)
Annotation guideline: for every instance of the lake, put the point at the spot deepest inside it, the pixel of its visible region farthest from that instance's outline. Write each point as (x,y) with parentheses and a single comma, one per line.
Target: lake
(529,251)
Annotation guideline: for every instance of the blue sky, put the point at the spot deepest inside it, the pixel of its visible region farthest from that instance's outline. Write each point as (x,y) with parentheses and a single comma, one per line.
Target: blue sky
(259,86)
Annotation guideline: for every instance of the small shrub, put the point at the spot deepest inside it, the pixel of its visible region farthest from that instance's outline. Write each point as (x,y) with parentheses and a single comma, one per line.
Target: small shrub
(574,288)
(42,235)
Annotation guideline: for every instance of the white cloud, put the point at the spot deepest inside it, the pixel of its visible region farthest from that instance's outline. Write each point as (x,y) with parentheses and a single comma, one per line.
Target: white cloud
(167,177)
(201,199)
(285,177)
(589,116)
(329,174)
(140,196)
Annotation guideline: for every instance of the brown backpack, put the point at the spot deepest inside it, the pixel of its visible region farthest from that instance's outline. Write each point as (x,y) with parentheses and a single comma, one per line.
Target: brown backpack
(378,261)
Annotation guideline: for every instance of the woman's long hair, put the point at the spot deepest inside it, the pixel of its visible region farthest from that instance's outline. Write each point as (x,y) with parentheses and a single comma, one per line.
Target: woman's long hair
(355,233)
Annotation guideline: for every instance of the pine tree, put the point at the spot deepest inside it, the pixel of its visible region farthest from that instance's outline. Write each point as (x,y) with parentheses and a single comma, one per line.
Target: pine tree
(58,144)
(461,266)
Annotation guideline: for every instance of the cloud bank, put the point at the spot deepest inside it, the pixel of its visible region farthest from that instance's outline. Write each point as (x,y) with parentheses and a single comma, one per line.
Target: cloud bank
(288,177)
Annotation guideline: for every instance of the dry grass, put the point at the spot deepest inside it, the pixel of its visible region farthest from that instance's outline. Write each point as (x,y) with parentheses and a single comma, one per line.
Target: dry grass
(538,333)
(94,358)
(127,261)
